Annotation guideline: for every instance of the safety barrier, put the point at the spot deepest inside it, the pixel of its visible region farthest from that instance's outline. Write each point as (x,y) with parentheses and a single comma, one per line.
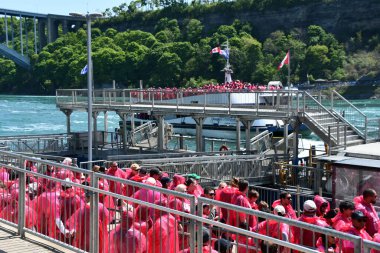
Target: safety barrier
(167,221)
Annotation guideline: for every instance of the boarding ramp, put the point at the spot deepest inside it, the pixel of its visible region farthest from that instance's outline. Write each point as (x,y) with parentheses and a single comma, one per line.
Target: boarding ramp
(261,143)
(146,135)
(185,212)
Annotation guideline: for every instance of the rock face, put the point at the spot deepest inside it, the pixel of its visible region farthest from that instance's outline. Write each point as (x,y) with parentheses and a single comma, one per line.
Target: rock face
(341,17)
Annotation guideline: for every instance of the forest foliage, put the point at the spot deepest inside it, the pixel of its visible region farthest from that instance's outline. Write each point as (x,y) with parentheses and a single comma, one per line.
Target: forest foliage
(175,55)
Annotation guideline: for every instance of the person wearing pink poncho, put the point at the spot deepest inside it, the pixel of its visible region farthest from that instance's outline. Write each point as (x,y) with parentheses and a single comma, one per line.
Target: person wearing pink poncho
(343,218)
(364,203)
(148,195)
(323,206)
(126,238)
(48,211)
(376,238)
(163,235)
(69,201)
(79,225)
(115,171)
(10,213)
(357,228)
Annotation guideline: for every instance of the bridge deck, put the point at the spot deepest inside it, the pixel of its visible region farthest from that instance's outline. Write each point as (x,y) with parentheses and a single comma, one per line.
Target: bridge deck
(10,242)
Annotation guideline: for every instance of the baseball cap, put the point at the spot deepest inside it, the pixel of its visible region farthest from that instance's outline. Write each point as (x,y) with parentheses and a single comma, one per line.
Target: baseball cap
(356,215)
(135,166)
(193,175)
(309,206)
(279,209)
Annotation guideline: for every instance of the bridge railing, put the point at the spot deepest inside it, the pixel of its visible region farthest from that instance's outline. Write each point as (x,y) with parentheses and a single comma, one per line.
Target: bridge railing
(272,101)
(87,229)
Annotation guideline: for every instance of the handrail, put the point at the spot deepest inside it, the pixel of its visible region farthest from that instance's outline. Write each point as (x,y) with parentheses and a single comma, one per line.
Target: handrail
(348,102)
(198,219)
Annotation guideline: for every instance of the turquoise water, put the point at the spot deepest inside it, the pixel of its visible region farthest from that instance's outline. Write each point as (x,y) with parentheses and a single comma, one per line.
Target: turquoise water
(30,115)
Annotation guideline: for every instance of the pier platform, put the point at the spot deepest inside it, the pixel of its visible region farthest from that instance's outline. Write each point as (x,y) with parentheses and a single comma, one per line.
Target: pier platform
(11,242)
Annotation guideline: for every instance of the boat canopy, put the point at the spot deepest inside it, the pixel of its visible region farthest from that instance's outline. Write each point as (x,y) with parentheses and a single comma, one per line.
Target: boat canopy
(276,84)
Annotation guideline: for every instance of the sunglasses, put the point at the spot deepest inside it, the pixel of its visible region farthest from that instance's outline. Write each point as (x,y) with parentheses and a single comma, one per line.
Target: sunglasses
(289,198)
(211,194)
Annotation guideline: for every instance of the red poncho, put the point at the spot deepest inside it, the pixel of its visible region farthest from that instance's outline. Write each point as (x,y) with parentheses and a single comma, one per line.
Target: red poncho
(307,235)
(290,213)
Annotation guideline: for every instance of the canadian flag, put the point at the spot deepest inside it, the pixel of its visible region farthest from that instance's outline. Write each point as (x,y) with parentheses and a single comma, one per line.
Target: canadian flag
(215,50)
(284,61)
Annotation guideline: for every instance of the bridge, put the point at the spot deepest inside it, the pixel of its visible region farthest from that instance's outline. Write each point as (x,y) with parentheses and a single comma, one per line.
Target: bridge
(335,120)
(20,28)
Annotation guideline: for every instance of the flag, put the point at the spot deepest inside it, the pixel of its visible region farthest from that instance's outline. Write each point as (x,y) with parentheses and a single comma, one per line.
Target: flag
(225,53)
(284,61)
(215,50)
(84,70)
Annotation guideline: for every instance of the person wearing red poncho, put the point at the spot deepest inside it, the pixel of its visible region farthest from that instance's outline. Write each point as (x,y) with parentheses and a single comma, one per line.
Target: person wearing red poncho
(240,199)
(343,218)
(225,195)
(69,201)
(357,228)
(79,225)
(309,216)
(126,238)
(163,235)
(286,201)
(364,203)
(277,229)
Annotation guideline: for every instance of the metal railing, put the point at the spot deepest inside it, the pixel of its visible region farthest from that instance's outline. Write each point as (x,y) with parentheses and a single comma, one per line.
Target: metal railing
(175,217)
(349,113)
(37,143)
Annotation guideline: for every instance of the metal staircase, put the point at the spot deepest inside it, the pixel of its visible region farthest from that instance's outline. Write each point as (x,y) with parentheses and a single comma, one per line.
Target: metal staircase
(331,125)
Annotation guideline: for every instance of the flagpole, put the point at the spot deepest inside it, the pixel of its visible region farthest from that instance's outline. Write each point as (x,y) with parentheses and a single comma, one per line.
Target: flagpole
(289,69)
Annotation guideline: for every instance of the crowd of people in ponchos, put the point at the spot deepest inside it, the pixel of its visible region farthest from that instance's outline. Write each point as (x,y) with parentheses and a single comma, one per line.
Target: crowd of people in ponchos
(171,92)
(62,211)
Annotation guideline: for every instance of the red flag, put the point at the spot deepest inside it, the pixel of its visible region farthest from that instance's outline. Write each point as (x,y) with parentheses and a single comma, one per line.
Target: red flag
(215,50)
(284,61)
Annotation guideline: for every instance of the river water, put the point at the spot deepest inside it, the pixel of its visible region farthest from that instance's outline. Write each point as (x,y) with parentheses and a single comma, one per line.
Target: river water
(30,115)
